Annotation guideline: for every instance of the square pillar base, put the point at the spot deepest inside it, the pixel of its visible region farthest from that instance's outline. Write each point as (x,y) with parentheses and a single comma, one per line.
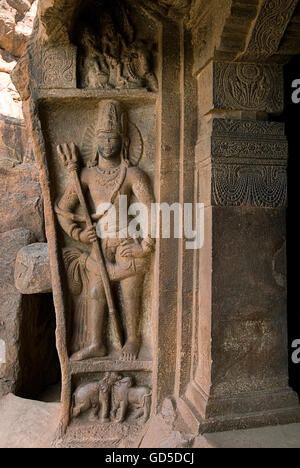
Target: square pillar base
(207,414)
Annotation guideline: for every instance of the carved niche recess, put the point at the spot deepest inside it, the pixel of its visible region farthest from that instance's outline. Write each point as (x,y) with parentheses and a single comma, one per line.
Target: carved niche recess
(111,55)
(91,105)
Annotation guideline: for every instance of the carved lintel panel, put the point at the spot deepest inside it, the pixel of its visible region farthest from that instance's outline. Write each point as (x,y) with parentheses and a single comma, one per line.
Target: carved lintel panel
(58,67)
(247,161)
(271,24)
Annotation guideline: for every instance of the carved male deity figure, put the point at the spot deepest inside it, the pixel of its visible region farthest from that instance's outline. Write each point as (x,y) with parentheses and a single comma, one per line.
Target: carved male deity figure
(108,176)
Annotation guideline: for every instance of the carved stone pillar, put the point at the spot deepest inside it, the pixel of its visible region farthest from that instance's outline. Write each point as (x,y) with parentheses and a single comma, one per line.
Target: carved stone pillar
(241,378)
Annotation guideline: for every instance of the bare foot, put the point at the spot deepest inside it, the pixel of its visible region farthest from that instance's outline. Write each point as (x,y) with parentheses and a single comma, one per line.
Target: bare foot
(89,353)
(130,351)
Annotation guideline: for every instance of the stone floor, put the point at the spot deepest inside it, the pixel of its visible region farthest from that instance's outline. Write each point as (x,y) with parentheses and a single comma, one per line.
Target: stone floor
(26,423)
(266,437)
(33,424)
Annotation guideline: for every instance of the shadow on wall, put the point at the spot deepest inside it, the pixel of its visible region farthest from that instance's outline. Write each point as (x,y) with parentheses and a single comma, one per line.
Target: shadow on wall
(292,118)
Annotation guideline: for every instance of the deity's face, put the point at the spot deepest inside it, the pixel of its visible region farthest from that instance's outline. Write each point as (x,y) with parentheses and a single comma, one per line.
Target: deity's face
(109,145)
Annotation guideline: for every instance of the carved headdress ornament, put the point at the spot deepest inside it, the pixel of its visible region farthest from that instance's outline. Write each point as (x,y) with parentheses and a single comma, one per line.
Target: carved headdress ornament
(111,118)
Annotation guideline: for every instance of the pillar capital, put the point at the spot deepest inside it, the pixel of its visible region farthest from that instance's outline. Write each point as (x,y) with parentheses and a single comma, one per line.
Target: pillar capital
(241,87)
(242,163)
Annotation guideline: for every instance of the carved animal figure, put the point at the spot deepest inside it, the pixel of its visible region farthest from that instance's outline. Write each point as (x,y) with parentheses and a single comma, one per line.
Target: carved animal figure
(95,396)
(125,395)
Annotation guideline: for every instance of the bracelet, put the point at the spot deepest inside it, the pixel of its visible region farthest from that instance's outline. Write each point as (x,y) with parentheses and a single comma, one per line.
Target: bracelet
(148,244)
(75,233)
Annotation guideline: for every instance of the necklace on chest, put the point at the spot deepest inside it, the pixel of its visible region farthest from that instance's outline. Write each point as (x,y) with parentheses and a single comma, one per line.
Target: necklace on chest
(108,177)
(111,180)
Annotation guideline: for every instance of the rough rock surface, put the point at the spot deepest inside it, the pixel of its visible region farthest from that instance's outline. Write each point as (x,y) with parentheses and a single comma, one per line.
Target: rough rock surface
(21,200)
(26,423)
(14,145)
(16,22)
(27,327)
(166,430)
(10,307)
(32,270)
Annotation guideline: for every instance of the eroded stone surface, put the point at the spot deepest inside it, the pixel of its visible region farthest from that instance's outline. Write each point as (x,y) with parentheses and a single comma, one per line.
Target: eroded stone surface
(16,22)
(11,307)
(27,423)
(26,326)
(32,270)
(14,145)
(21,200)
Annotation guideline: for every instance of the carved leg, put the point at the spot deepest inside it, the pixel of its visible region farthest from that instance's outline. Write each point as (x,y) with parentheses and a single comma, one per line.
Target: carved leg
(96,321)
(104,417)
(113,415)
(123,409)
(147,408)
(94,413)
(132,289)
(113,412)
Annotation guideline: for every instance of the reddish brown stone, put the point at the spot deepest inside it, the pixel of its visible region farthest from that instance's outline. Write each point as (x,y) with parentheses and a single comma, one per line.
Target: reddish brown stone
(21,199)
(32,269)
(11,307)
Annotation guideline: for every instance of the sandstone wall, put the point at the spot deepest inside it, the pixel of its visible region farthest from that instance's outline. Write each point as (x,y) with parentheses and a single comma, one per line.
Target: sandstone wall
(16,21)
(26,322)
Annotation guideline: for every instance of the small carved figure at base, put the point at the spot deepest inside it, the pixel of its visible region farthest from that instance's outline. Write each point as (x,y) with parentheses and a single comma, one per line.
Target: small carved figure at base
(125,396)
(95,396)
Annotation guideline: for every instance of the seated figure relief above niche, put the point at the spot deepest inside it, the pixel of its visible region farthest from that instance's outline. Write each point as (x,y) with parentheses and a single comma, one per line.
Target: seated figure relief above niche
(111,54)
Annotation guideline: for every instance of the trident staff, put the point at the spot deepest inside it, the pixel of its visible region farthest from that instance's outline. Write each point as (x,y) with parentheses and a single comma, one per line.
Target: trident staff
(69,157)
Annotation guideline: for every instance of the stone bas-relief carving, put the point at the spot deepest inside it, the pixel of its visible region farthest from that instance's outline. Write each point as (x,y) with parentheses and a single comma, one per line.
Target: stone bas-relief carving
(240,242)
(251,87)
(95,396)
(106,176)
(265,38)
(112,399)
(127,396)
(248,163)
(255,185)
(248,86)
(58,66)
(110,54)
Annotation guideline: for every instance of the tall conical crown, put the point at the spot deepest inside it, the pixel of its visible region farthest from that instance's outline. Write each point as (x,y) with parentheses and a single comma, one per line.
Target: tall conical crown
(110,118)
